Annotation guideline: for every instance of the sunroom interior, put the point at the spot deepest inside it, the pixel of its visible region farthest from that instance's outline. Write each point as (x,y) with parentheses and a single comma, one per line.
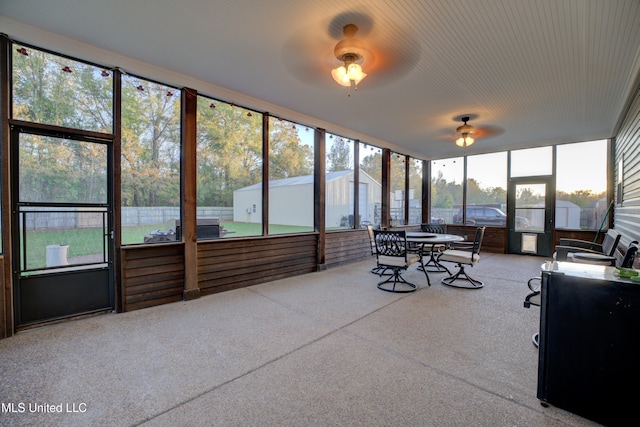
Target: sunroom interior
(219,175)
(156,155)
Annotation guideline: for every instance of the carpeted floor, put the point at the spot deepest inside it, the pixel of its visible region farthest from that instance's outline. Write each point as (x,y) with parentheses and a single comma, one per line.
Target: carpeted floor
(324,349)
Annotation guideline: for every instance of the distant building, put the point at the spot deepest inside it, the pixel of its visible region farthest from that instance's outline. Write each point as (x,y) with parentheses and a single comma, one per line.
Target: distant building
(291,200)
(567,215)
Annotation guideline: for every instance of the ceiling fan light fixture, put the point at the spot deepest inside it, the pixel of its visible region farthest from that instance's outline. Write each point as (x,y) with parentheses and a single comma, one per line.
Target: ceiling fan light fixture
(465,132)
(350,51)
(465,140)
(354,73)
(340,76)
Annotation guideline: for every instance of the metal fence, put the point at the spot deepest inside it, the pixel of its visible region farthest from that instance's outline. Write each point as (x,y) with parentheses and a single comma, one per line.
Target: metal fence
(69,218)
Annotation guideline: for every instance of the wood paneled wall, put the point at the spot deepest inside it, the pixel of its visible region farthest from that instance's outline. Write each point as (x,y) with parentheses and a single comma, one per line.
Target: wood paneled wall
(152,275)
(235,263)
(494,240)
(344,247)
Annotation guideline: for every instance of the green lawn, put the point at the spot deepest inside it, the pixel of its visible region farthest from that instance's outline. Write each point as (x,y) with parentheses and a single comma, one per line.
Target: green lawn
(81,242)
(90,241)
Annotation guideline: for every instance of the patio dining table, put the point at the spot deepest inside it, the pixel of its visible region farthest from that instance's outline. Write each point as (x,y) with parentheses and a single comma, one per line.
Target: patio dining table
(422,238)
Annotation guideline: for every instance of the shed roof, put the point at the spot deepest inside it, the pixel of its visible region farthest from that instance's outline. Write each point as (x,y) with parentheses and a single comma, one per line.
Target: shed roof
(298,180)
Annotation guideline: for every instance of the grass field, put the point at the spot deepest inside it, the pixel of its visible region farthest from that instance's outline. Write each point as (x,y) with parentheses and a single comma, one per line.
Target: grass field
(90,241)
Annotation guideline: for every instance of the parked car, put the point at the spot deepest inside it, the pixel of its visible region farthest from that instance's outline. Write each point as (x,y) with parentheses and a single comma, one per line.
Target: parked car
(488,216)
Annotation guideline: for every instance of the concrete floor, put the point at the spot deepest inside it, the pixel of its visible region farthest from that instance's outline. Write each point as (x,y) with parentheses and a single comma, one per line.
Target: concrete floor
(324,349)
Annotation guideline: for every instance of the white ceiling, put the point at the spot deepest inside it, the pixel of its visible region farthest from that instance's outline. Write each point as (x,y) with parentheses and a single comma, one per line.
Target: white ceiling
(534,72)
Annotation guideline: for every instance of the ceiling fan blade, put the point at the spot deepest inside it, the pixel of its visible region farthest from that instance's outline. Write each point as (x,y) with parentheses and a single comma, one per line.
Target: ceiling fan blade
(389,53)
(488,131)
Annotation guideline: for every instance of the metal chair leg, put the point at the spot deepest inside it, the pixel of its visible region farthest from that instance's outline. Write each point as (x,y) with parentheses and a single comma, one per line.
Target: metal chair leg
(380,270)
(462,275)
(396,278)
(423,268)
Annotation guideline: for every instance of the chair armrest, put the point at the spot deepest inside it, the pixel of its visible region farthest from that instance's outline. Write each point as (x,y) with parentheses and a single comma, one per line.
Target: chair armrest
(584,244)
(593,258)
(563,251)
(461,246)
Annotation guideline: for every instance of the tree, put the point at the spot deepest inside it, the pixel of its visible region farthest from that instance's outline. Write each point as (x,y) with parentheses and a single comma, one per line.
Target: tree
(415,178)
(527,198)
(58,91)
(229,151)
(287,156)
(445,194)
(372,165)
(150,144)
(339,156)
(582,198)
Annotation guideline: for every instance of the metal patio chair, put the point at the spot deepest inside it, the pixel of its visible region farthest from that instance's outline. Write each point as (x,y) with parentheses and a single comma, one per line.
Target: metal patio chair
(392,254)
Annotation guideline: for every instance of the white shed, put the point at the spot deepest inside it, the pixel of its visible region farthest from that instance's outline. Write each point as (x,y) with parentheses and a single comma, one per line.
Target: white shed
(567,215)
(291,200)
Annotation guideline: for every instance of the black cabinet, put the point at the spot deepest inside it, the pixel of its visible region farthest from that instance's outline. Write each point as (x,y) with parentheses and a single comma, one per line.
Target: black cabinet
(589,361)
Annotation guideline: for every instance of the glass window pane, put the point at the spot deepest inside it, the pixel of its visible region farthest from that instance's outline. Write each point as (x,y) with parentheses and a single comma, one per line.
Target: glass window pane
(530,207)
(581,185)
(486,187)
(291,181)
(370,184)
(54,90)
(150,161)
(532,162)
(56,170)
(447,176)
(339,192)
(397,188)
(62,237)
(229,177)
(415,191)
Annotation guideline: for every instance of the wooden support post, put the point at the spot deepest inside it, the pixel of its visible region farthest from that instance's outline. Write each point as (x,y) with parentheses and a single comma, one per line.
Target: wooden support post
(319,193)
(189,200)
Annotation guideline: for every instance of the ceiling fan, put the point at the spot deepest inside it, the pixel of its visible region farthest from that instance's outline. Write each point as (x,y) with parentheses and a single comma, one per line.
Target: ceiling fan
(466,134)
(382,50)
(351,52)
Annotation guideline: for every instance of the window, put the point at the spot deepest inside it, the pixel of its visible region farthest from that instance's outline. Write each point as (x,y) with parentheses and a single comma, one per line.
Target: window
(581,185)
(54,90)
(370,164)
(339,192)
(62,172)
(397,188)
(56,170)
(63,198)
(447,176)
(530,207)
(291,180)
(150,161)
(532,162)
(487,186)
(415,191)
(229,177)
